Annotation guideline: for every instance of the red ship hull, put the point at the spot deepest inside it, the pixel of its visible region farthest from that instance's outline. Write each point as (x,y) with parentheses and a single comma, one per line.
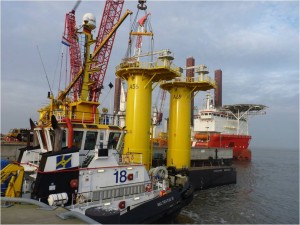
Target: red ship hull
(239,143)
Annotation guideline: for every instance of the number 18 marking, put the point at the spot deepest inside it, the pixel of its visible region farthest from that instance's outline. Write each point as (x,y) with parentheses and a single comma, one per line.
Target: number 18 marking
(122,177)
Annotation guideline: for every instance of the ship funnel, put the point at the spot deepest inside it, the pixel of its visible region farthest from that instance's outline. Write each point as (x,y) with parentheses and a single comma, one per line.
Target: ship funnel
(190,62)
(218,90)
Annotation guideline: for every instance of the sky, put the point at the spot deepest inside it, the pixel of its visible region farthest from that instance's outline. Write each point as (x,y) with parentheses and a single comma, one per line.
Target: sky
(255,43)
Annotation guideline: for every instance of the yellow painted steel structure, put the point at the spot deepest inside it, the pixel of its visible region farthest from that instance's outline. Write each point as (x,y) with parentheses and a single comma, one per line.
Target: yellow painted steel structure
(14,174)
(78,111)
(140,77)
(179,138)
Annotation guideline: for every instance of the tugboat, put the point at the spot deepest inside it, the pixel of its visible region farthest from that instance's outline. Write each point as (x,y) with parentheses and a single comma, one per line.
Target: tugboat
(83,162)
(108,186)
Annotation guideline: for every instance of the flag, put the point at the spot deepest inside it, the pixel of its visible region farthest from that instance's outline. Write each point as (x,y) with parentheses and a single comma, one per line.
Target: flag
(65,41)
(86,30)
(110,85)
(63,161)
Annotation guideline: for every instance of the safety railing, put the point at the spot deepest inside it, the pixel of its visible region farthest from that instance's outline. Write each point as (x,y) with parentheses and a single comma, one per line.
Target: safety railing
(85,117)
(149,65)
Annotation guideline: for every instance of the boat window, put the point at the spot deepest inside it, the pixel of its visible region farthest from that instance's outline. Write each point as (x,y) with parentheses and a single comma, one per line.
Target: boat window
(101,139)
(77,139)
(113,139)
(90,140)
(52,139)
(40,138)
(43,139)
(103,152)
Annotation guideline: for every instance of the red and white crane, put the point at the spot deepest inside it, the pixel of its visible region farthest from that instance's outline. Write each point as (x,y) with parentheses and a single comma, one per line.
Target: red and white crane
(70,39)
(110,18)
(111,15)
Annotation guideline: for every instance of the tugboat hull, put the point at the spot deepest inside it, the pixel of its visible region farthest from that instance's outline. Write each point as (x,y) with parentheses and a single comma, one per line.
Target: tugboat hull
(160,210)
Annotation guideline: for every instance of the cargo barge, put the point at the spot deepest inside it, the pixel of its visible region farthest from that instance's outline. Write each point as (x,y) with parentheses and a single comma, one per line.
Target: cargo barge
(209,167)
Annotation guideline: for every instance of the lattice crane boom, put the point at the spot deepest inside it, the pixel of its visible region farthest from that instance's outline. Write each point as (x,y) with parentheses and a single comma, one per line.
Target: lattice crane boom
(160,109)
(70,36)
(110,17)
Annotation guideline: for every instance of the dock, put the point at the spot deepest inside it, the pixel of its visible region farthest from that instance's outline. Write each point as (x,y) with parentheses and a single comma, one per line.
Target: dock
(17,213)
(9,150)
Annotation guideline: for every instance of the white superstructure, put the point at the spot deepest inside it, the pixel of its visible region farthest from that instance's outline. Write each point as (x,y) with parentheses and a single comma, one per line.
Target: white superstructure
(229,119)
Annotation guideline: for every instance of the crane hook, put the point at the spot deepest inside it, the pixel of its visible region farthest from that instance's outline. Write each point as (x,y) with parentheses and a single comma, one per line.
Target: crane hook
(142,5)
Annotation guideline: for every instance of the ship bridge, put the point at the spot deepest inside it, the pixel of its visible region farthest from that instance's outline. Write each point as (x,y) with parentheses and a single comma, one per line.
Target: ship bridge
(229,119)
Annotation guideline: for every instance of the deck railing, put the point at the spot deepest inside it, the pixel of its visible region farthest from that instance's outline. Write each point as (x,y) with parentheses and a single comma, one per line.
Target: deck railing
(86,117)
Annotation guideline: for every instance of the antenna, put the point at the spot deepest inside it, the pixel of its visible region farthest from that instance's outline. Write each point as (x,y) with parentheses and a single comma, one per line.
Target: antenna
(44,69)
(76,5)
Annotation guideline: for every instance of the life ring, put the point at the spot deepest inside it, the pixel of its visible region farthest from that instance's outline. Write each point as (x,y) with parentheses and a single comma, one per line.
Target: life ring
(162,193)
(148,188)
(130,176)
(122,204)
(74,183)
(151,172)
(161,172)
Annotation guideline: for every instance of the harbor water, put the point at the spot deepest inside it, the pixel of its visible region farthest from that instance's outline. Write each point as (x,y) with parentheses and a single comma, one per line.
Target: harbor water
(267,192)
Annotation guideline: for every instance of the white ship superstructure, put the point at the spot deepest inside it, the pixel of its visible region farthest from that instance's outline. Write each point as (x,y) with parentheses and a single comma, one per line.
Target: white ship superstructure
(223,121)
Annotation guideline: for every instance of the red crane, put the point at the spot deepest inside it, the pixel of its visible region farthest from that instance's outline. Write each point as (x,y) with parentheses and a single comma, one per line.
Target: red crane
(70,38)
(110,17)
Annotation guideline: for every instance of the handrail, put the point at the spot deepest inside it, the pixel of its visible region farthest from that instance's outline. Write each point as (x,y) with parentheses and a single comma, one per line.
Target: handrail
(27,200)
(104,118)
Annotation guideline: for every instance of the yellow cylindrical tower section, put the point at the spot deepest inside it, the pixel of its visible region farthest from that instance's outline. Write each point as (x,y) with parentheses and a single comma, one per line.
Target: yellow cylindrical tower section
(138,114)
(179,144)
(179,133)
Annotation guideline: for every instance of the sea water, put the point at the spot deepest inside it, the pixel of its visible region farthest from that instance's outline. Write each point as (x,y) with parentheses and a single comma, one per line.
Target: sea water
(267,192)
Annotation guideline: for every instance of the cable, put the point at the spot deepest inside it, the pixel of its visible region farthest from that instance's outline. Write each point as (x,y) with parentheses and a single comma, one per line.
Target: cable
(44,69)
